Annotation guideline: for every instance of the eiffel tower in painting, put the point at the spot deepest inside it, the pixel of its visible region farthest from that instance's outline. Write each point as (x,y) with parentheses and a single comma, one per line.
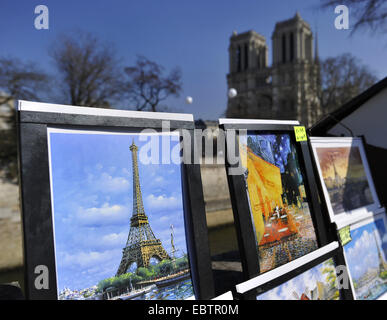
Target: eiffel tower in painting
(142,244)
(382,262)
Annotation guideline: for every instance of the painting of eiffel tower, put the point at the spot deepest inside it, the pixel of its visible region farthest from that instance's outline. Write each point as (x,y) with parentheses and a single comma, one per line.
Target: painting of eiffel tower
(108,246)
(382,262)
(142,244)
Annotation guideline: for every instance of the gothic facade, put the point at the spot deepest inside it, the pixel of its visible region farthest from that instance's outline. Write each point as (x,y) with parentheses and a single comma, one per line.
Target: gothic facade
(288,89)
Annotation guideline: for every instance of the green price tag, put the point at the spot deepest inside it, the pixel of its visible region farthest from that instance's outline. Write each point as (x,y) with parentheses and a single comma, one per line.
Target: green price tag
(345,235)
(300,133)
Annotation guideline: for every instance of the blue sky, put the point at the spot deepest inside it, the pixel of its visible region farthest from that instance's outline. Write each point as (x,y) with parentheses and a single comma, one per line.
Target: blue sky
(92,188)
(307,280)
(191,34)
(361,252)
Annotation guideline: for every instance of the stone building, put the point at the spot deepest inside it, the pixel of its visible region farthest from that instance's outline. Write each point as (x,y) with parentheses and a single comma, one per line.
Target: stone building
(5,113)
(287,89)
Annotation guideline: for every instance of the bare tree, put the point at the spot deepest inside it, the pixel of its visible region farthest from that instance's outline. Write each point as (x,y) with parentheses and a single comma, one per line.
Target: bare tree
(18,80)
(370,14)
(88,70)
(342,78)
(147,86)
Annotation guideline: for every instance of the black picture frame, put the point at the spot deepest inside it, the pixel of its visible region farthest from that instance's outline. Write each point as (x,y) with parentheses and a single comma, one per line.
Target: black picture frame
(332,251)
(33,120)
(325,232)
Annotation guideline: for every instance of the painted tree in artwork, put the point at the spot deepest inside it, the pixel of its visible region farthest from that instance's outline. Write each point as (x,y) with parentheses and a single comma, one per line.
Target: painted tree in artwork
(331,280)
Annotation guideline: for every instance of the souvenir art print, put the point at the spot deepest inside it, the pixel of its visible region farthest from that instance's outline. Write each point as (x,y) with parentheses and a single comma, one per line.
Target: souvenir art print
(366,258)
(317,283)
(345,177)
(279,205)
(118,222)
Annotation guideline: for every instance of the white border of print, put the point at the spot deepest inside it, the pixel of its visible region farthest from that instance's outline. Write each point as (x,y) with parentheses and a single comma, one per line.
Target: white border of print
(346,217)
(225,296)
(359,224)
(257,121)
(286,268)
(59,108)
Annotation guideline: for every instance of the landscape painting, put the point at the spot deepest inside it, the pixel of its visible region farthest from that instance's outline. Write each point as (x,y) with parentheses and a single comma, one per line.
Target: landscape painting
(118,217)
(366,257)
(279,206)
(318,283)
(344,177)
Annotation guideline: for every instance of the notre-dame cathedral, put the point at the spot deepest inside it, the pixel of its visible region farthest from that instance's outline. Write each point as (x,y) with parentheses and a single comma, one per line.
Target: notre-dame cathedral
(286,90)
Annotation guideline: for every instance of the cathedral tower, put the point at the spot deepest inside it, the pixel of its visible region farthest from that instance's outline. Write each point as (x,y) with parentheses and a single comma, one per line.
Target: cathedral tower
(249,75)
(295,72)
(286,90)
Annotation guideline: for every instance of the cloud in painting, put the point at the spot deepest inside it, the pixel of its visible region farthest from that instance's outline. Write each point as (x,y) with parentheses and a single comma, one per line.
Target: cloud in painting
(94,238)
(363,253)
(114,239)
(294,288)
(87,259)
(272,295)
(162,202)
(107,183)
(104,215)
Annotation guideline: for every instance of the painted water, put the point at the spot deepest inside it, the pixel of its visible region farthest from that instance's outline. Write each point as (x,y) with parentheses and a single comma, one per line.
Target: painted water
(372,292)
(177,291)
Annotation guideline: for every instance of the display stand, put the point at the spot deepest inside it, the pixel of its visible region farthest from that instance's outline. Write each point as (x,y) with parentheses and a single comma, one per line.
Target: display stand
(240,198)
(352,204)
(271,279)
(36,124)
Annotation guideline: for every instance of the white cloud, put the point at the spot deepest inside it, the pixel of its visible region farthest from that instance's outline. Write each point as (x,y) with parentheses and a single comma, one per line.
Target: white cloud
(115,239)
(112,169)
(273,294)
(288,288)
(87,259)
(107,183)
(162,202)
(295,287)
(126,172)
(164,218)
(106,214)
(363,254)
(159,179)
